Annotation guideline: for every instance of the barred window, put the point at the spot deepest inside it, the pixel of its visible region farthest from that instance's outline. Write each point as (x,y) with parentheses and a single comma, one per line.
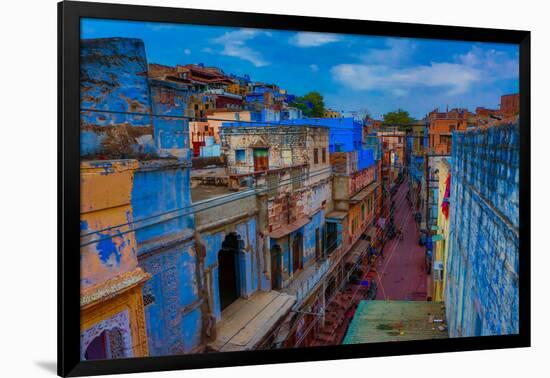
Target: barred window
(148,299)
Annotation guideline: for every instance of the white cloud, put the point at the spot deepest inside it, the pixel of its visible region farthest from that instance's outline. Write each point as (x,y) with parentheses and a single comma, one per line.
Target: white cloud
(397,50)
(310,39)
(455,77)
(234,44)
(496,64)
(314,67)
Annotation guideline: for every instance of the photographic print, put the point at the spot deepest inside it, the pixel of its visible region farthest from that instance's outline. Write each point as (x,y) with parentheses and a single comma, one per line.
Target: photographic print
(255,189)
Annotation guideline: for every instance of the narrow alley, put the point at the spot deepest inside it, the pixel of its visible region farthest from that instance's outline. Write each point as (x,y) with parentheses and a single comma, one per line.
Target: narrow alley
(401,273)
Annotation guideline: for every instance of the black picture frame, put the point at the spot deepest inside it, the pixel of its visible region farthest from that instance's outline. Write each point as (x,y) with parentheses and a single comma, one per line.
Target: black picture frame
(69,14)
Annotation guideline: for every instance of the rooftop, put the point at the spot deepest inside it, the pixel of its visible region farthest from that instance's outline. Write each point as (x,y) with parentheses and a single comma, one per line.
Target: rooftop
(204,192)
(246,322)
(382,321)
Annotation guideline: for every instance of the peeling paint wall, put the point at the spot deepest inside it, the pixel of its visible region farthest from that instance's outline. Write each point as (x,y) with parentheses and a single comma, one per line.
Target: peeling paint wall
(115,84)
(171,134)
(113,77)
(482,268)
(288,145)
(106,189)
(161,196)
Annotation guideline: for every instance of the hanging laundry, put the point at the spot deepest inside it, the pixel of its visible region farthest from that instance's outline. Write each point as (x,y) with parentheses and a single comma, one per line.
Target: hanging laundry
(446,197)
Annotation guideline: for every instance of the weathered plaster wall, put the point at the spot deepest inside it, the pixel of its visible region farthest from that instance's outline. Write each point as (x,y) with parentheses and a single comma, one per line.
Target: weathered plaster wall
(482,268)
(173,317)
(288,145)
(114,81)
(106,188)
(161,193)
(161,197)
(171,134)
(113,76)
(250,262)
(317,222)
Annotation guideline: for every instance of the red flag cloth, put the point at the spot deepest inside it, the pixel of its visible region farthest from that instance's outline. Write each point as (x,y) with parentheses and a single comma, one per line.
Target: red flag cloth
(446,197)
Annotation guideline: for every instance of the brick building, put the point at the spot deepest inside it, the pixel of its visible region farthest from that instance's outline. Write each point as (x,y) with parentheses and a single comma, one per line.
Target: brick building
(442,124)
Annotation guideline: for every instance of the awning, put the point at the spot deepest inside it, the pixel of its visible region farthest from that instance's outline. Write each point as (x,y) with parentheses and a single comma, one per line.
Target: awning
(356,251)
(286,229)
(364,192)
(246,322)
(337,215)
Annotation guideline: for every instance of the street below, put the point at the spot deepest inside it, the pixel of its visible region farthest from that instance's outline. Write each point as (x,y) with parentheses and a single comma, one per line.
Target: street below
(401,273)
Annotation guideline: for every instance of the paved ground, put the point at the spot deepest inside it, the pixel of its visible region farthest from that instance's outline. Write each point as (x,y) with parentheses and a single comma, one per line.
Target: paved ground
(401,274)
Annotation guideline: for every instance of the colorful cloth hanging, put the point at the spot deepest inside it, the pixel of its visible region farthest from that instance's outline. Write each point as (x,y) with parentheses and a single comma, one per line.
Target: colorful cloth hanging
(446,197)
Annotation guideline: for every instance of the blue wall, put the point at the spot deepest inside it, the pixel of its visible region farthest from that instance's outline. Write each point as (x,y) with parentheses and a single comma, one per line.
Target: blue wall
(345,134)
(481,294)
(317,221)
(249,269)
(171,134)
(113,76)
(173,286)
(161,190)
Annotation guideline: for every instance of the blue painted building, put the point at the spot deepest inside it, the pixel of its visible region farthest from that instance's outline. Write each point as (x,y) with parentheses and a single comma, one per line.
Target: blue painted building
(114,79)
(345,134)
(481,295)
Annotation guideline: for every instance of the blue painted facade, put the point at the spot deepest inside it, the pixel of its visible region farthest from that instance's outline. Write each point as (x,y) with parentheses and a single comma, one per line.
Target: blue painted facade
(345,134)
(307,234)
(317,222)
(481,294)
(250,264)
(171,135)
(114,78)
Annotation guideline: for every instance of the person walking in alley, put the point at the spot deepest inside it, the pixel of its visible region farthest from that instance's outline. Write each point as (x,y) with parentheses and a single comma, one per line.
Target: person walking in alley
(399,232)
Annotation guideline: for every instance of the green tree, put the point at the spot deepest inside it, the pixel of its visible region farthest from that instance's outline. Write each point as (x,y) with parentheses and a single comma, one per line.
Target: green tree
(312,104)
(399,118)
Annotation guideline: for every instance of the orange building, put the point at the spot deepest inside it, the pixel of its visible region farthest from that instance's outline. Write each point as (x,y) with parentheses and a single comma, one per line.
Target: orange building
(442,124)
(509,104)
(112,321)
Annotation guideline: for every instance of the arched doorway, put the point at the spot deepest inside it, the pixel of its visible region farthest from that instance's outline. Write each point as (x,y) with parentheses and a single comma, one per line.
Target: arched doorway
(228,270)
(108,344)
(275,265)
(297,248)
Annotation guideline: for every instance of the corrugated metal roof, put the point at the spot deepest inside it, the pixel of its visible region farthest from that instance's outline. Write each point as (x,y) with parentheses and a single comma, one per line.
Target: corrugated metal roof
(382,321)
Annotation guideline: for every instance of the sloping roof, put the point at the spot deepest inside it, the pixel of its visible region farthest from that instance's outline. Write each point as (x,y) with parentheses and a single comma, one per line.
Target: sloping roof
(336,215)
(365,192)
(286,229)
(382,321)
(246,322)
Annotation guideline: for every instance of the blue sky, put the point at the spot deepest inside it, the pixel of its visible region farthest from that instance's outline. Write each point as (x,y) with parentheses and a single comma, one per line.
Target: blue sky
(354,73)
